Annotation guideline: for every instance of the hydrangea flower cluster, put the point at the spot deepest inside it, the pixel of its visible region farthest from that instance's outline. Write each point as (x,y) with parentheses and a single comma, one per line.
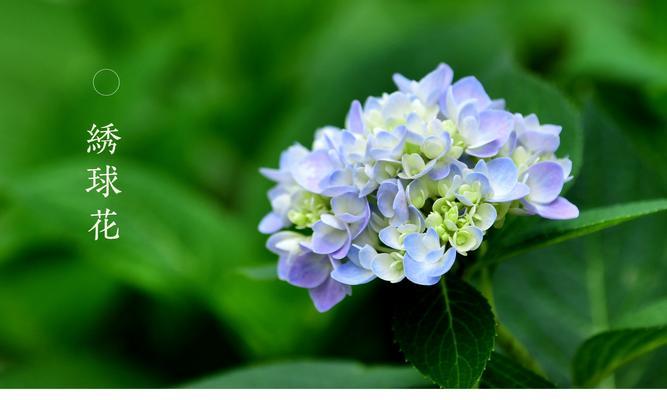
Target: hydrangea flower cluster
(415,179)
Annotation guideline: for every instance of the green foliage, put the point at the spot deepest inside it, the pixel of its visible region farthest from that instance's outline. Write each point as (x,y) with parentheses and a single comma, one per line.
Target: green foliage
(503,373)
(527,236)
(213,90)
(313,375)
(447,332)
(600,355)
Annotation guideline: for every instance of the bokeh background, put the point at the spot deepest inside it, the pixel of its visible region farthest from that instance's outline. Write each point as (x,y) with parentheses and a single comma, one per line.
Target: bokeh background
(212,90)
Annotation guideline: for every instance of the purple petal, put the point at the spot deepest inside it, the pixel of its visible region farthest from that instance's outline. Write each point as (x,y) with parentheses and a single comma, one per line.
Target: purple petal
(494,125)
(540,141)
(327,239)
(469,88)
(486,150)
(328,294)
(560,208)
(545,180)
(308,270)
(313,169)
(434,85)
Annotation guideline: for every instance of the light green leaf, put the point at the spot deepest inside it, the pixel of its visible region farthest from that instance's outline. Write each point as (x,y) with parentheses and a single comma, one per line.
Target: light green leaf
(654,313)
(503,373)
(527,235)
(315,375)
(447,331)
(600,355)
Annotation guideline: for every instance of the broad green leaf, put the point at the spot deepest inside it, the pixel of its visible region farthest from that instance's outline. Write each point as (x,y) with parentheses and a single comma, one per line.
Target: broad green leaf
(528,235)
(315,375)
(654,313)
(503,373)
(587,284)
(600,355)
(447,331)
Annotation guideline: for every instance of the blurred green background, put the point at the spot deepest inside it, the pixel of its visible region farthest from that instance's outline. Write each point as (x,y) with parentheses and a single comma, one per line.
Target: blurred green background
(210,91)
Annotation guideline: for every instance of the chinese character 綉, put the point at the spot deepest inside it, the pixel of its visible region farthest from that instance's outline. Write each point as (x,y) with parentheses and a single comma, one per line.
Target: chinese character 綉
(102,139)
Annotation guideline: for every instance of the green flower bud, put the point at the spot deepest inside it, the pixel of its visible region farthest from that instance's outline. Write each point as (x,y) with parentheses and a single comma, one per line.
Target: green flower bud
(432,147)
(413,164)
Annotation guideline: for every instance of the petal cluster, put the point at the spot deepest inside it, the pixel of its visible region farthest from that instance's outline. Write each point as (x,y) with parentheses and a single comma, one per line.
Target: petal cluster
(414,179)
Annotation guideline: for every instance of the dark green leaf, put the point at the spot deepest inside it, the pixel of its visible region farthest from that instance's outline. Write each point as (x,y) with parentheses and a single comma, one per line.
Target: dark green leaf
(600,355)
(527,235)
(447,331)
(315,375)
(503,373)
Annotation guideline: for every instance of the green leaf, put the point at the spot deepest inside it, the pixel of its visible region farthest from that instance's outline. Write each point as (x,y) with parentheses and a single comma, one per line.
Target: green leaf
(315,375)
(587,284)
(503,373)
(654,313)
(527,235)
(447,331)
(600,355)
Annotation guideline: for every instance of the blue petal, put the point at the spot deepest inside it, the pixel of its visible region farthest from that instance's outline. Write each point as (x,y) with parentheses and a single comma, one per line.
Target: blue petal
(545,180)
(387,268)
(385,197)
(271,223)
(350,274)
(428,273)
(391,237)
(354,120)
(503,175)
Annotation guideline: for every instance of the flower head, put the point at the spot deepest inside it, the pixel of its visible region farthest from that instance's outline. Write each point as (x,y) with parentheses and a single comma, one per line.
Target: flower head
(414,179)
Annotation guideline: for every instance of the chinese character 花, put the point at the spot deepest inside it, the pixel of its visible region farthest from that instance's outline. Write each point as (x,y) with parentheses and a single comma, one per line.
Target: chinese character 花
(107,225)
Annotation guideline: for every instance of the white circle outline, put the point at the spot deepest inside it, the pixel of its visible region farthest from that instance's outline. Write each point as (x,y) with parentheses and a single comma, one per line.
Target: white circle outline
(106,94)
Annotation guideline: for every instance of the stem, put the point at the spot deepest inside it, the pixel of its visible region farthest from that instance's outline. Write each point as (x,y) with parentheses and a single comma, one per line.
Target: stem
(595,282)
(505,339)
(516,350)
